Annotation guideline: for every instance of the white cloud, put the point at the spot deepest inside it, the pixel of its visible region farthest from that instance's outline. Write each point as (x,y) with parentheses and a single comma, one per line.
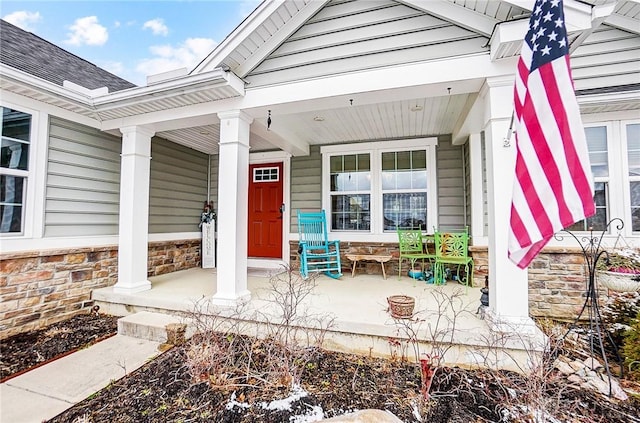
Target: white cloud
(156,26)
(167,57)
(87,31)
(23,19)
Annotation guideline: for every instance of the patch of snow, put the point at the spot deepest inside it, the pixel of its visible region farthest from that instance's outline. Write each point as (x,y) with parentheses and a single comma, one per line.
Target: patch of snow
(620,326)
(297,392)
(233,403)
(415,411)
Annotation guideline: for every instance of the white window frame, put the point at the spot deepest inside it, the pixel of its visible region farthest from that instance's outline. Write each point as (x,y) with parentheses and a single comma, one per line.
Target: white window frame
(375,149)
(618,198)
(625,178)
(28,204)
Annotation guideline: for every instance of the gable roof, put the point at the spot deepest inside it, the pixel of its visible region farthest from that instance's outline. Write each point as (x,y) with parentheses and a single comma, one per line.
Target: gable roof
(29,53)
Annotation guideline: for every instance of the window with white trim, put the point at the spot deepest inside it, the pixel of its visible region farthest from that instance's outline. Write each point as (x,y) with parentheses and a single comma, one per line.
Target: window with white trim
(350,180)
(597,144)
(14,169)
(375,188)
(632,134)
(614,152)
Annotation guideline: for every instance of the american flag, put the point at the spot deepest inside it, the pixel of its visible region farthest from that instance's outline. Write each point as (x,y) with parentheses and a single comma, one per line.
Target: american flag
(553,187)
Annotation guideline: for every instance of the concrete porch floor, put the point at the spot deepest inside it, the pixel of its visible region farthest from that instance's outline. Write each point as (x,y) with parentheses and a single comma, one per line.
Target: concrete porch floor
(362,323)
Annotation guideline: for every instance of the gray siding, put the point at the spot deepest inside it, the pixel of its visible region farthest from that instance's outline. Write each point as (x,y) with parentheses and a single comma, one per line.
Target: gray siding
(83,181)
(213,174)
(306,184)
(467,184)
(350,36)
(451,192)
(607,58)
(178,187)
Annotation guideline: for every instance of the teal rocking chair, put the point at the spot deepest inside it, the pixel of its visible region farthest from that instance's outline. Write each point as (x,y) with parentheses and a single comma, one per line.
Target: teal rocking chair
(317,253)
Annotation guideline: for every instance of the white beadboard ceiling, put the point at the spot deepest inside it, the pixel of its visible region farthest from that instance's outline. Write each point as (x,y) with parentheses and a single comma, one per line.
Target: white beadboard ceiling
(398,119)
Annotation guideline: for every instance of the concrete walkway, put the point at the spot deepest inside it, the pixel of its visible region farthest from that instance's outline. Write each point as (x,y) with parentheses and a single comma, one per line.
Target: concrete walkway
(45,392)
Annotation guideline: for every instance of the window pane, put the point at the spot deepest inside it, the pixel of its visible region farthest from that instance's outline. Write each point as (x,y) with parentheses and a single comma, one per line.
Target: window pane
(350,173)
(403,160)
(388,161)
(16,124)
(635,206)
(598,221)
(404,170)
(336,164)
(14,155)
(364,162)
(419,179)
(349,163)
(405,211)
(597,145)
(633,149)
(419,159)
(11,196)
(350,212)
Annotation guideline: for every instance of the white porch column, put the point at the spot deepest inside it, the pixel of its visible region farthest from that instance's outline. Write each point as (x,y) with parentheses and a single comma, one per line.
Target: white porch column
(508,284)
(133,242)
(233,189)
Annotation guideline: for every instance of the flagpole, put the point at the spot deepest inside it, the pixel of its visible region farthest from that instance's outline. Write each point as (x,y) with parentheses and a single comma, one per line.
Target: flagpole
(507,140)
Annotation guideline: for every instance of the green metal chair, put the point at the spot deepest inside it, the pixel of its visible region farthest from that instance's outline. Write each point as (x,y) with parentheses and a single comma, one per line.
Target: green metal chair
(453,248)
(414,246)
(317,253)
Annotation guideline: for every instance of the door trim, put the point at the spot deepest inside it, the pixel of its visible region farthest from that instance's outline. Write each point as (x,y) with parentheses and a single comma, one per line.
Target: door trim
(284,158)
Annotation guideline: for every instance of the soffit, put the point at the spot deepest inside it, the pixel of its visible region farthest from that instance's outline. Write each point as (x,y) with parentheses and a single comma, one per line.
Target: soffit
(409,118)
(167,95)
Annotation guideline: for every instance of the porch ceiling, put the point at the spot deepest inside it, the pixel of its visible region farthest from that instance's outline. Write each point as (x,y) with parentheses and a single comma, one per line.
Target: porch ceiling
(397,119)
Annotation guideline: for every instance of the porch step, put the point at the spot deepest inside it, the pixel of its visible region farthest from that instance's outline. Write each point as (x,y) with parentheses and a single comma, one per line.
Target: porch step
(148,325)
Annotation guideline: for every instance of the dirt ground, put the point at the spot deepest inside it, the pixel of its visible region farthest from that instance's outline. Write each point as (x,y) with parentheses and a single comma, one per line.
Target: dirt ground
(330,384)
(30,349)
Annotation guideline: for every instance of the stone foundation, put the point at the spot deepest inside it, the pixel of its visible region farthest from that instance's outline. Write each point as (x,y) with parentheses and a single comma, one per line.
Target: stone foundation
(38,288)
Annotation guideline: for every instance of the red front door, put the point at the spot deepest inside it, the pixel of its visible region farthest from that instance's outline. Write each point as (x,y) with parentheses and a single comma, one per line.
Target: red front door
(265,215)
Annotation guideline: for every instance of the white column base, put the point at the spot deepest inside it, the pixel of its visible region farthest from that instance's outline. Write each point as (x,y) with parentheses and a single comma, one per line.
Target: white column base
(131,288)
(224,299)
(510,324)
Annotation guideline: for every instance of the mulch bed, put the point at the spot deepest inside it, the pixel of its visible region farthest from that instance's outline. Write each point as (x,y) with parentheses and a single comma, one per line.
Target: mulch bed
(30,349)
(330,384)
(333,384)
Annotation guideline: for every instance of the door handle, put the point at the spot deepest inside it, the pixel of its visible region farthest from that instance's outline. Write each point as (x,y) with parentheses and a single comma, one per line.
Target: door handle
(282,208)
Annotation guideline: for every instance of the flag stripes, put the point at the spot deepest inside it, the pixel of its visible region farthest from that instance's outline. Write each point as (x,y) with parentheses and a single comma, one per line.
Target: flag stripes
(553,185)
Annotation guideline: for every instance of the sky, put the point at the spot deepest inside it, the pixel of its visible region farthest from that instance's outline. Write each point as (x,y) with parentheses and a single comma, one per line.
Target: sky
(131,38)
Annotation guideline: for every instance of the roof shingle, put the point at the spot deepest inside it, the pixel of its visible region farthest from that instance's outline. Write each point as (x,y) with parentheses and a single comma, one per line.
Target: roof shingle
(31,54)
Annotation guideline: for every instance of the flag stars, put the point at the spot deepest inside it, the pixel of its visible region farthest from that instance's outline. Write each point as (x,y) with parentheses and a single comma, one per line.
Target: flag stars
(540,32)
(546,50)
(559,22)
(562,43)
(554,3)
(553,36)
(547,17)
